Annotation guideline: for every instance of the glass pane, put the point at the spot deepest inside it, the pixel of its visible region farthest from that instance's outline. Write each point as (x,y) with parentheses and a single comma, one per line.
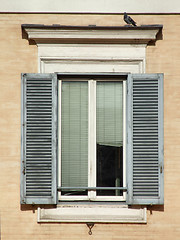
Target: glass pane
(74,134)
(109,120)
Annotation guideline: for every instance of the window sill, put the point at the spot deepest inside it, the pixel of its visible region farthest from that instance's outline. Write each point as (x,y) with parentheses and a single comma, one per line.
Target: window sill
(93,213)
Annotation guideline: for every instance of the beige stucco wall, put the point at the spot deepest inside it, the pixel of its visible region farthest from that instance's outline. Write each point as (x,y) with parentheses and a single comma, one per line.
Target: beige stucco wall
(16,56)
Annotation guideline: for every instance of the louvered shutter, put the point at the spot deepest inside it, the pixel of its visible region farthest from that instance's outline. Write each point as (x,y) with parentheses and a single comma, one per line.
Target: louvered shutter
(145,139)
(39,139)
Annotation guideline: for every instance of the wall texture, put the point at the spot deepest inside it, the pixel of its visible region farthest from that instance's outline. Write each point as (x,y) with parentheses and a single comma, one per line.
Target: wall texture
(18,56)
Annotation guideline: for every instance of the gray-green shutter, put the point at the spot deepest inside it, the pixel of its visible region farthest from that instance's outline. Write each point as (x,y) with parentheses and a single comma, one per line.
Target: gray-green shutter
(39,139)
(145,139)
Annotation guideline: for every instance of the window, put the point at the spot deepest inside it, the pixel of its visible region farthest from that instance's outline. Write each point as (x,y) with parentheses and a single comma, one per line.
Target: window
(96,55)
(91,138)
(109,136)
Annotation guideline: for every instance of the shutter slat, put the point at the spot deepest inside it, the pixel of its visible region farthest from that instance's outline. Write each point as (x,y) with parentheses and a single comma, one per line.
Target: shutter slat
(145,139)
(39,139)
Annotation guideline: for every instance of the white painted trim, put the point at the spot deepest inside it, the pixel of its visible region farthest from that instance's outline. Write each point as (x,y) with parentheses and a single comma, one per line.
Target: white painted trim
(110,65)
(45,35)
(92,213)
(74,198)
(91,52)
(92,138)
(102,57)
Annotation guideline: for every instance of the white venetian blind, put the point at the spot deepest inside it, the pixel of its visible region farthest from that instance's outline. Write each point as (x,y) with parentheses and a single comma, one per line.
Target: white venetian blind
(109,113)
(74,115)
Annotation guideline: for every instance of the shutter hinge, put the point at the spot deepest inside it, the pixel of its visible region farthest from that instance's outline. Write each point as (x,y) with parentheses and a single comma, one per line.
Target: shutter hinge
(24,170)
(161,169)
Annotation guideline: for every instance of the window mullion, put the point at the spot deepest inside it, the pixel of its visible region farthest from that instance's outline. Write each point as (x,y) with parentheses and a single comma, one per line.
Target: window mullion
(92,138)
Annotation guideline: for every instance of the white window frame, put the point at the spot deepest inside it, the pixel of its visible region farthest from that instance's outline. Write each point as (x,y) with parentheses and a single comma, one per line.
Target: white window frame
(92,146)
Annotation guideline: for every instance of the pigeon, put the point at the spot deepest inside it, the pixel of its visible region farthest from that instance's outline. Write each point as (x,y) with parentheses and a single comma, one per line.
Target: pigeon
(129,20)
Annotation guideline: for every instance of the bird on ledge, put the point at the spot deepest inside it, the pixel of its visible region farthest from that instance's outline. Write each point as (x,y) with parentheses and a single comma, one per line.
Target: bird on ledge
(129,20)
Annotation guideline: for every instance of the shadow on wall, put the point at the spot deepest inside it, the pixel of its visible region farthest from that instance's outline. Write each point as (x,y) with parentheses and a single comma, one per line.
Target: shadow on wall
(157,208)
(33,208)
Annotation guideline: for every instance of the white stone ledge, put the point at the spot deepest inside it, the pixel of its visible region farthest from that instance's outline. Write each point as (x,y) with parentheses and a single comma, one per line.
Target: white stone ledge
(92,213)
(63,34)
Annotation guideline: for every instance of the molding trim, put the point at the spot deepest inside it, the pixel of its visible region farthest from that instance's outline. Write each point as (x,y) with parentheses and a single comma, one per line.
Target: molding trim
(66,65)
(92,213)
(85,57)
(78,34)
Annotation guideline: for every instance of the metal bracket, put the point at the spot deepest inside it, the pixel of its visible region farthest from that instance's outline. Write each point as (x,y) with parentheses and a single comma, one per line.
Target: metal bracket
(92,188)
(90,226)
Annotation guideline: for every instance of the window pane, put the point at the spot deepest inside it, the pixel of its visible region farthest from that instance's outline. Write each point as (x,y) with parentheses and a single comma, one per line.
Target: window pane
(109,120)
(74,132)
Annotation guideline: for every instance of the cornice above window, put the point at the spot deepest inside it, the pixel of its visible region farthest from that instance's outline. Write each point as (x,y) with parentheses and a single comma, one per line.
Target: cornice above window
(144,34)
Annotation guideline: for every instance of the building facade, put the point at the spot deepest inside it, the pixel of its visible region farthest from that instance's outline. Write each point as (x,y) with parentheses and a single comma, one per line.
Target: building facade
(93,48)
